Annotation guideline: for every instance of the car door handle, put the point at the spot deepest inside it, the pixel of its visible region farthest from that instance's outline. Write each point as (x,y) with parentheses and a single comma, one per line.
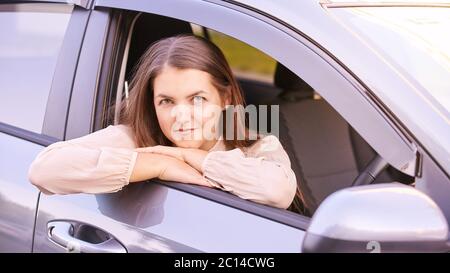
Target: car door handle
(62,233)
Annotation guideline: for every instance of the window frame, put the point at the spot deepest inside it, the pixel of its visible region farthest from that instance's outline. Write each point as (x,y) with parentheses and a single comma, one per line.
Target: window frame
(111,68)
(85,90)
(81,3)
(243,77)
(190,13)
(58,104)
(111,71)
(378,119)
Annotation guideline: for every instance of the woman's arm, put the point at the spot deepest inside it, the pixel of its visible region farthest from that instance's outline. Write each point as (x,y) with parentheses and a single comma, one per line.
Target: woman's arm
(66,167)
(104,161)
(193,157)
(166,168)
(260,177)
(264,175)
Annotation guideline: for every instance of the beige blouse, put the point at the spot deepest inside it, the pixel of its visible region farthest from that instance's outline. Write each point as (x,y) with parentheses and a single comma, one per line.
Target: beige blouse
(104,160)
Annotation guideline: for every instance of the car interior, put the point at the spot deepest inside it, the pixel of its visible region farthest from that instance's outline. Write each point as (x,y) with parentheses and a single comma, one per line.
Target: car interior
(326,153)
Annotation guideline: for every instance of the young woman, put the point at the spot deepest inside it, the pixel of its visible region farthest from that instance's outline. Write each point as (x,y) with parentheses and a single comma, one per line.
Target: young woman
(169,130)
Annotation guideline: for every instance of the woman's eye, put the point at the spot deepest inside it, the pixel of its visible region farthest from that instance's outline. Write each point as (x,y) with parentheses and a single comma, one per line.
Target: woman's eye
(198,99)
(164,101)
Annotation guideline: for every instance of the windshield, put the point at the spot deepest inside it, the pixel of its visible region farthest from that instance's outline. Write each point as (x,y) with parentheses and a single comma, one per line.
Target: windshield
(415,39)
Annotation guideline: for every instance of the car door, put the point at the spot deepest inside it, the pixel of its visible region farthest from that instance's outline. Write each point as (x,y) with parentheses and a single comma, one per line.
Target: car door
(33,105)
(156,217)
(160,216)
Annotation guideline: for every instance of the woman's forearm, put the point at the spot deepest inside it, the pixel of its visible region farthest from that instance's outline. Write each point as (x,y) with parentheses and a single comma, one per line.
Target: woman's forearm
(193,157)
(152,165)
(147,166)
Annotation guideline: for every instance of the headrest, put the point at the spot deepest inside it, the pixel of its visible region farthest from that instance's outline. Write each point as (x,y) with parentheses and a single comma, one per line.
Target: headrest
(151,28)
(292,86)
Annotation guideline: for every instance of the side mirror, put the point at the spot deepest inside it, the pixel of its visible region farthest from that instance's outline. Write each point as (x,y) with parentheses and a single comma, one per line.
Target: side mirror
(377,218)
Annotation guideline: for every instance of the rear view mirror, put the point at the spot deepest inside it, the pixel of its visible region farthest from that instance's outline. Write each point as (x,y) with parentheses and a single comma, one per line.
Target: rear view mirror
(377,218)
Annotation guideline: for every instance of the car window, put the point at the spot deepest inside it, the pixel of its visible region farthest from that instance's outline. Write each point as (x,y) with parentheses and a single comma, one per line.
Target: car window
(31,38)
(326,153)
(246,61)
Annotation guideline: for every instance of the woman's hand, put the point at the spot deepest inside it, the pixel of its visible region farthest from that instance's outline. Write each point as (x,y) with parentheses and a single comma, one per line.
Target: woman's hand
(152,165)
(176,170)
(193,157)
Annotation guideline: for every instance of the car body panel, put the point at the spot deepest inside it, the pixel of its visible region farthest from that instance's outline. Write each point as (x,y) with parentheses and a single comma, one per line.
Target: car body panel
(151,217)
(18,198)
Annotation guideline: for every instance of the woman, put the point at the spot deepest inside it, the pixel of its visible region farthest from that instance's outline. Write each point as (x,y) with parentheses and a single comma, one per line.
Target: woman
(170,130)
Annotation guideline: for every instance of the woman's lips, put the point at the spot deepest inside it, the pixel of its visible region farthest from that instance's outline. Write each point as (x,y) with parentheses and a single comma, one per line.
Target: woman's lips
(186,130)
(186,134)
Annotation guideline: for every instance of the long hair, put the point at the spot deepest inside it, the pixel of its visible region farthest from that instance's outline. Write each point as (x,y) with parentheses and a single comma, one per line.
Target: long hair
(183,51)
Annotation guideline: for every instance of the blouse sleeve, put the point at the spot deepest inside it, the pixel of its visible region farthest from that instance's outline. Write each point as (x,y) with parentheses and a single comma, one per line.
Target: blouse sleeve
(262,174)
(96,163)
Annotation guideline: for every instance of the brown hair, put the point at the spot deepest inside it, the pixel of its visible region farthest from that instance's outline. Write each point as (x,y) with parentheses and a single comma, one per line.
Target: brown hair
(183,52)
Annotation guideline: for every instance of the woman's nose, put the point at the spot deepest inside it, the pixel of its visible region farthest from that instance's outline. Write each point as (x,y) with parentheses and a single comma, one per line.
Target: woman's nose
(182,113)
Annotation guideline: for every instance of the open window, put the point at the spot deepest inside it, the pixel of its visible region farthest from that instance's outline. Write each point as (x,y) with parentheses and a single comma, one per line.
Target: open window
(326,152)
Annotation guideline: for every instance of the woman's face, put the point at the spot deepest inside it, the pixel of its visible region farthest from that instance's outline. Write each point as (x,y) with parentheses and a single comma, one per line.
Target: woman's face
(188,107)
